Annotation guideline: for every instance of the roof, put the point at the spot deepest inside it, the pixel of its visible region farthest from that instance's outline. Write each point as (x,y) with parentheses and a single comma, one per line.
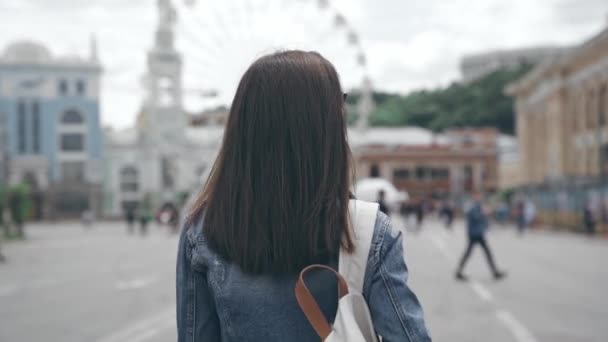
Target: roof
(123,137)
(394,136)
(556,64)
(28,53)
(205,135)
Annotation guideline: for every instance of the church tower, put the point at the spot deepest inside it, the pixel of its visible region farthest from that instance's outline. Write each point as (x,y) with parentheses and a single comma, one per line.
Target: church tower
(163,119)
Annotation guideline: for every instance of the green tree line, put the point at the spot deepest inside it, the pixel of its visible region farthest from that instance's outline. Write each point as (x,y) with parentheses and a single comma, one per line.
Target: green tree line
(480,103)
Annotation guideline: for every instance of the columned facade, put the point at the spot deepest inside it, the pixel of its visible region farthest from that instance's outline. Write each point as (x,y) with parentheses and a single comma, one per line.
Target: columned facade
(562,115)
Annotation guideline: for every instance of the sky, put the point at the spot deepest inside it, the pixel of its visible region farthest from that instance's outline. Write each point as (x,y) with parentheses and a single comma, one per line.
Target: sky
(408,44)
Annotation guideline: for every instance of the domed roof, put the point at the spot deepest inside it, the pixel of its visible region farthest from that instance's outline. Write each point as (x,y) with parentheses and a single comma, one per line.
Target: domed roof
(26,52)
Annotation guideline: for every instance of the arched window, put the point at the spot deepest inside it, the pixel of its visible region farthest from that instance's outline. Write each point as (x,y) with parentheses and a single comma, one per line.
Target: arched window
(128,179)
(72,117)
(80,87)
(63,87)
(21,126)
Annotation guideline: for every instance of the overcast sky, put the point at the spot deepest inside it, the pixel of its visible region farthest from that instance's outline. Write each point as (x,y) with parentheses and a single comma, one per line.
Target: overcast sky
(409,44)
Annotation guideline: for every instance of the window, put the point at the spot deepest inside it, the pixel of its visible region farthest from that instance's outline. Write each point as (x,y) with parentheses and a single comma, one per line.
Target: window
(401,174)
(468,178)
(374,171)
(602,106)
(21,129)
(440,173)
(80,87)
(165,90)
(63,87)
(168,172)
(72,142)
(36,127)
(421,173)
(72,117)
(128,179)
(73,171)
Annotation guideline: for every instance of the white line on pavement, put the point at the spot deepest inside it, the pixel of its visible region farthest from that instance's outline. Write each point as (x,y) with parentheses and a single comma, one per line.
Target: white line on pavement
(138,327)
(152,332)
(133,284)
(8,290)
(482,291)
(441,246)
(519,331)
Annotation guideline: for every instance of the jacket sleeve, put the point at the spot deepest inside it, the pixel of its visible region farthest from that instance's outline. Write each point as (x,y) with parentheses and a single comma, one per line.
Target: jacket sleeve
(196,314)
(396,312)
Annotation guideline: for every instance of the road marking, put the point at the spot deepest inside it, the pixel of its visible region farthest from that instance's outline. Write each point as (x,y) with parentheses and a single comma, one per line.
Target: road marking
(8,290)
(135,284)
(139,327)
(508,320)
(482,291)
(441,246)
(153,332)
(519,331)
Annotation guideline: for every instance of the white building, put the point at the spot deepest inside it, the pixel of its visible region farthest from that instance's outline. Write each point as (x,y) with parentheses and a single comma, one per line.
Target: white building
(475,66)
(162,158)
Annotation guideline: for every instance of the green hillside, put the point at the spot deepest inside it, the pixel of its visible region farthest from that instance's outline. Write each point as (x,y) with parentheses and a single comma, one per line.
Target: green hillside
(479,103)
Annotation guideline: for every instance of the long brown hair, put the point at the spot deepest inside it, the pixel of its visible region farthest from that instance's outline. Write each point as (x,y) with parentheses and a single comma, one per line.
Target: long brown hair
(277,196)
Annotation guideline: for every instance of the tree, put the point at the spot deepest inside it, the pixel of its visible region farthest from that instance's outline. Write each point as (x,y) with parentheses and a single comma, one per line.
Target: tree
(476,104)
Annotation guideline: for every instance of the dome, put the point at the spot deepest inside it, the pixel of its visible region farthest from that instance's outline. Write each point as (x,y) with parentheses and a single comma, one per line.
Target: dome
(26,52)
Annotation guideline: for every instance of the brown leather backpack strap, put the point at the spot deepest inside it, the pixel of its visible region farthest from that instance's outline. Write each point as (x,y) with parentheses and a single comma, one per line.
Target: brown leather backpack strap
(309,305)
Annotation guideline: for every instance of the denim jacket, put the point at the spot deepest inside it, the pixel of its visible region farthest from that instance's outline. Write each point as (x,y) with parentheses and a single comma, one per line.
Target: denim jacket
(216,301)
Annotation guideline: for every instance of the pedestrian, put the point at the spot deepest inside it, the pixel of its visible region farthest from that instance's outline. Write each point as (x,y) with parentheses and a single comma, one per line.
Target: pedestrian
(130,218)
(589,219)
(520,216)
(87,217)
(419,214)
(477,225)
(17,212)
(173,219)
(529,213)
(383,207)
(277,201)
(145,216)
(447,212)
(5,228)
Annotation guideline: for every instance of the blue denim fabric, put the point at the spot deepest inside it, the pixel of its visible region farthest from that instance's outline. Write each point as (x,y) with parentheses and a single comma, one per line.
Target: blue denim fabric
(216,301)
(477,221)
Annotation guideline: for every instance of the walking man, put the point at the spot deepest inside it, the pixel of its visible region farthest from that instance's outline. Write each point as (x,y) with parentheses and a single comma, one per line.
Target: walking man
(477,224)
(589,219)
(382,206)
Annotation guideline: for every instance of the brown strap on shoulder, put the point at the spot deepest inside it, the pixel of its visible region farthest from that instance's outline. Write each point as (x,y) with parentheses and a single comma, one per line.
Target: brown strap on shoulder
(309,305)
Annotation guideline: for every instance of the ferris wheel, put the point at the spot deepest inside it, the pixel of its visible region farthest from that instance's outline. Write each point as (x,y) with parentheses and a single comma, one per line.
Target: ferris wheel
(220,39)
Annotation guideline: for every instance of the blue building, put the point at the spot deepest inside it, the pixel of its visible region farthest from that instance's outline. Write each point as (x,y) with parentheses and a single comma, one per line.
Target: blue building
(52,134)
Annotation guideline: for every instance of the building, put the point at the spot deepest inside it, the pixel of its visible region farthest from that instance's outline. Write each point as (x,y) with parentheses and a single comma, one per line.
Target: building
(211,117)
(425,164)
(53,140)
(163,158)
(3,149)
(562,129)
(473,67)
(562,115)
(509,163)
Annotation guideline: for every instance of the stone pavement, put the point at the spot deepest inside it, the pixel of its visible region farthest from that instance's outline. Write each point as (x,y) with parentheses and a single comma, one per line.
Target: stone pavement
(66,283)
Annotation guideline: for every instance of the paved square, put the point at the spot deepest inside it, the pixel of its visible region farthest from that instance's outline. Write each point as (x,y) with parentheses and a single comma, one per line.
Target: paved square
(67,283)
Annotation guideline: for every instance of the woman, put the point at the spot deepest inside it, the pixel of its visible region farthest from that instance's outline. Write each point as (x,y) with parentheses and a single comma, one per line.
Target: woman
(275,202)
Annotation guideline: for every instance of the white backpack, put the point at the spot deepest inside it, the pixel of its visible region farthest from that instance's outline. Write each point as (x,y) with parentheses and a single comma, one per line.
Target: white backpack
(353,321)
